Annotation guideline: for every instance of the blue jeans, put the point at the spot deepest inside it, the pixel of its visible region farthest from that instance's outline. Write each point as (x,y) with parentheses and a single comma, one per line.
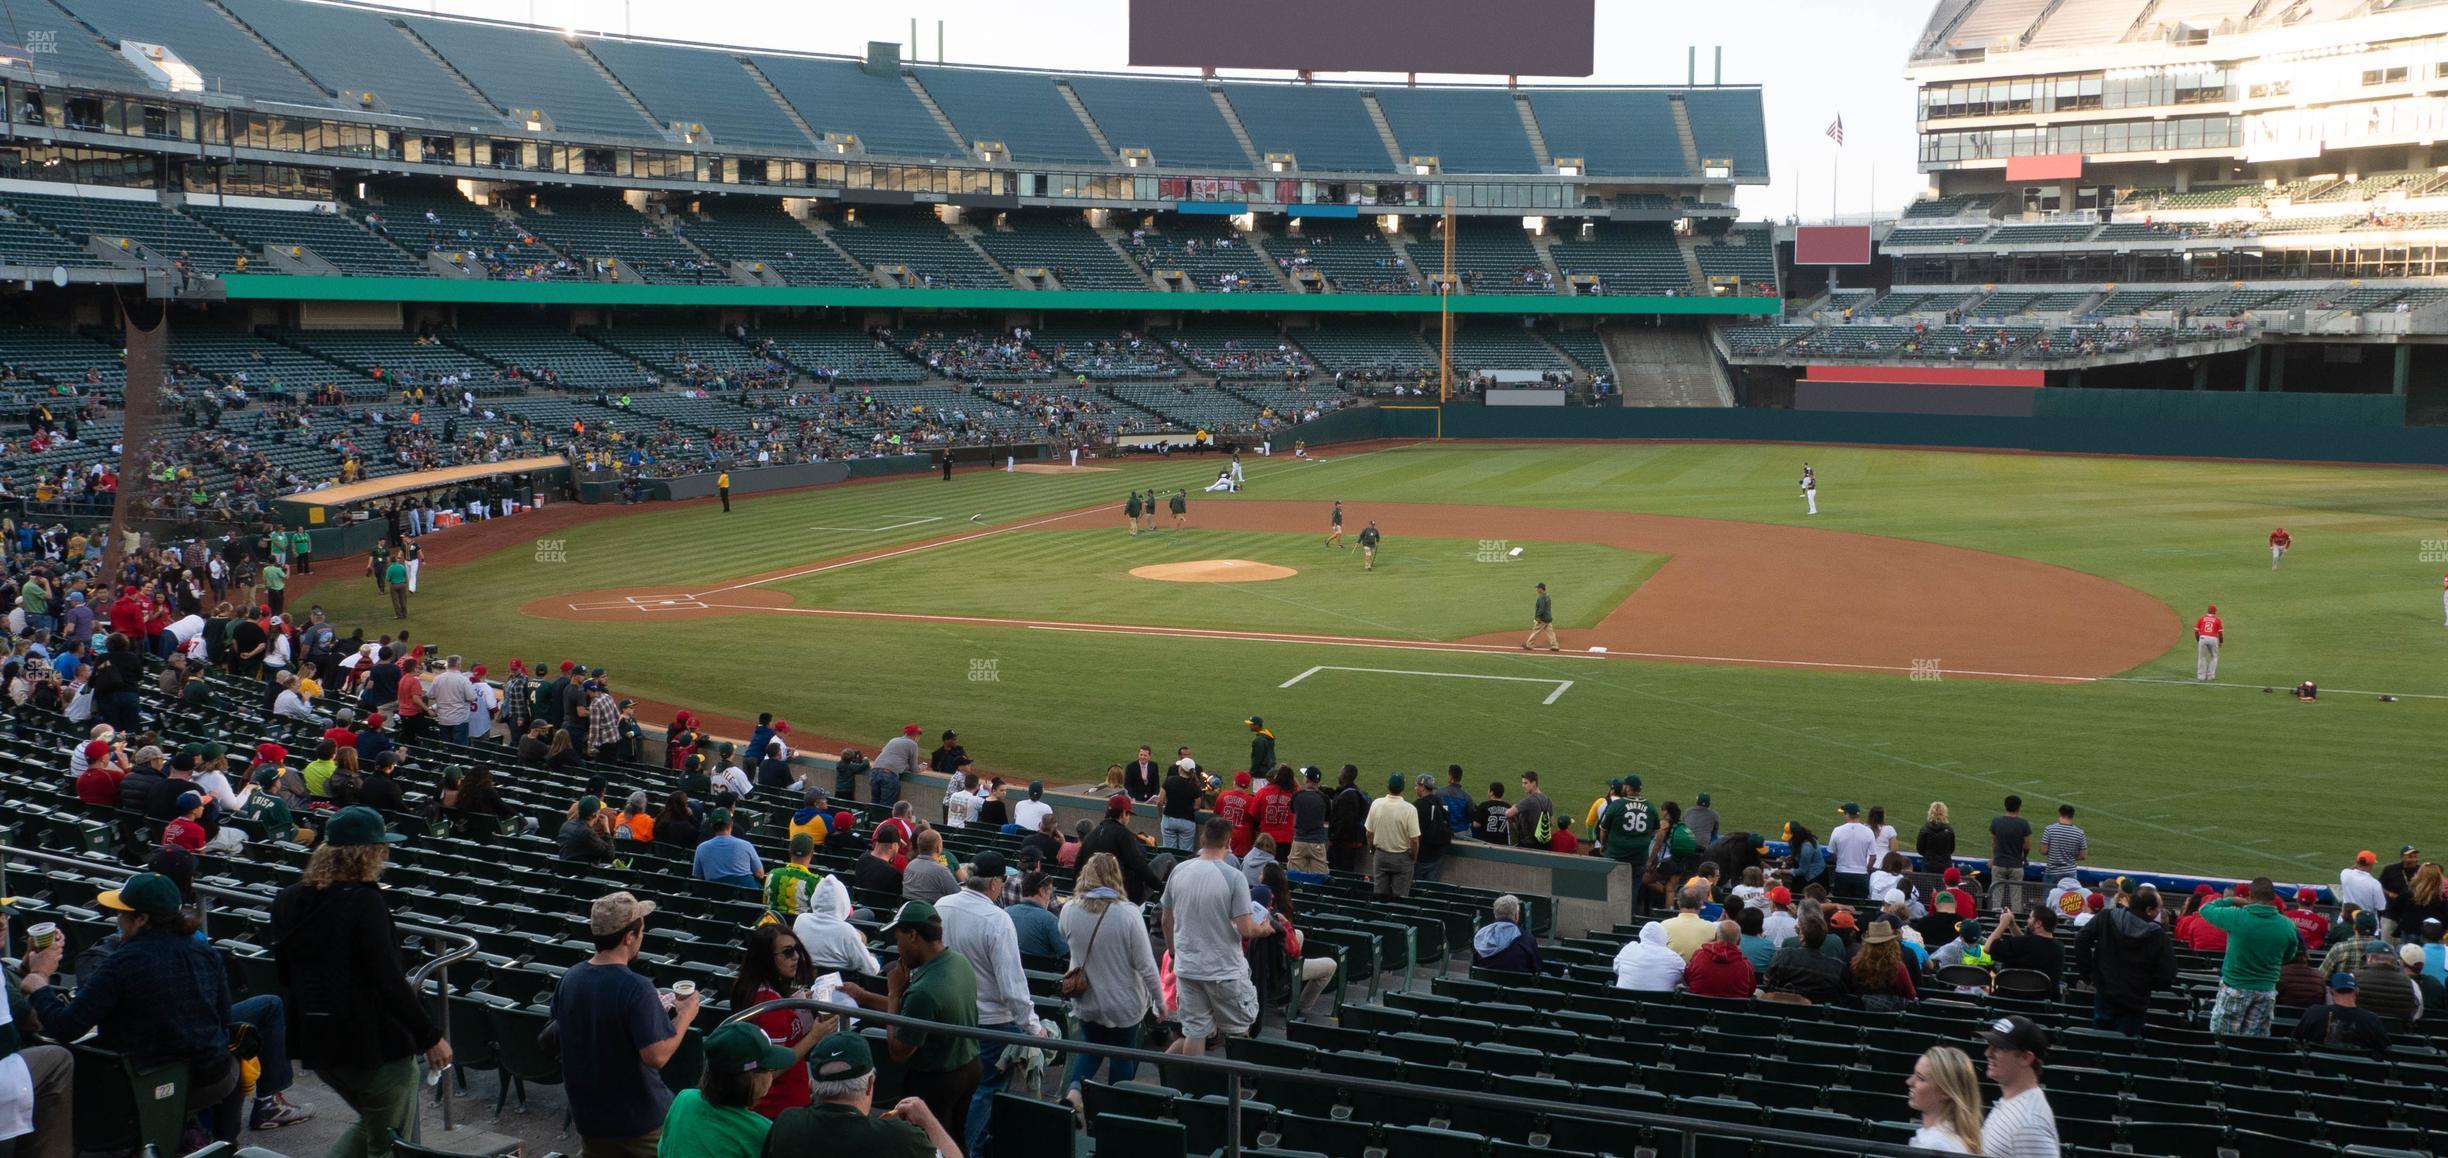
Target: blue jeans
(1426,870)
(1849,885)
(990,1083)
(886,786)
(271,1021)
(1179,834)
(2130,1022)
(1084,1066)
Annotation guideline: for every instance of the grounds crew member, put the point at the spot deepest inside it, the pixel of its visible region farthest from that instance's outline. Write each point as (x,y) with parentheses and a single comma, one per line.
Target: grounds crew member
(1262,748)
(1368,547)
(1542,621)
(1181,508)
(722,486)
(1130,513)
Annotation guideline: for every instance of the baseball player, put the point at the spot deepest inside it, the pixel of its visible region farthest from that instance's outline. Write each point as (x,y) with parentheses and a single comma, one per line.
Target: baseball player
(1181,509)
(1149,510)
(1810,488)
(1542,622)
(1368,547)
(1236,470)
(2208,633)
(1300,448)
(1130,514)
(1223,481)
(2279,542)
(1334,526)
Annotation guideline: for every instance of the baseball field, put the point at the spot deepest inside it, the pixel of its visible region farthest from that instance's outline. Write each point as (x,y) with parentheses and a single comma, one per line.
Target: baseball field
(1951,626)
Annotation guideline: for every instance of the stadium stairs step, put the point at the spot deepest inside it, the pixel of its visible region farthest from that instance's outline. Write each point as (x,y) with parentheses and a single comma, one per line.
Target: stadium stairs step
(1385,133)
(1683,133)
(1530,125)
(773,94)
(959,144)
(1232,120)
(1096,132)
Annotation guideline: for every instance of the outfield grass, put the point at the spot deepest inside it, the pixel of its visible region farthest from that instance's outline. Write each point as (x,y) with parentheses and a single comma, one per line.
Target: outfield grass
(1428,589)
(2167,774)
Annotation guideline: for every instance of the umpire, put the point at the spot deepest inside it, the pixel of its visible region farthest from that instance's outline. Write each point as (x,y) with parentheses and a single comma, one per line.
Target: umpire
(1542,622)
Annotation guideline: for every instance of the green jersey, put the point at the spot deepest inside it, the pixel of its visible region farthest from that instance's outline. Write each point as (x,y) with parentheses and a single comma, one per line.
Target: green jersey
(1545,611)
(301,543)
(1131,508)
(942,990)
(274,578)
(698,1128)
(1626,826)
(788,888)
(830,1127)
(1180,504)
(1368,536)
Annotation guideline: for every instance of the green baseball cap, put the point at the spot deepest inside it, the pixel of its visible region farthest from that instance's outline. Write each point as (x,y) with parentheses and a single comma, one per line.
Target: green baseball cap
(740,1048)
(151,894)
(1394,783)
(914,913)
(358,825)
(802,844)
(841,1057)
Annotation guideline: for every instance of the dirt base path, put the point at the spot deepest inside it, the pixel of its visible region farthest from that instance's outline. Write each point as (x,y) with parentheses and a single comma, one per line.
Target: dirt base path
(1730,592)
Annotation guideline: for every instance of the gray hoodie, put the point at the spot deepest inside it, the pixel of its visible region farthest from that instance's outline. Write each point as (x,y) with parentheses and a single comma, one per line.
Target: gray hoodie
(1119,958)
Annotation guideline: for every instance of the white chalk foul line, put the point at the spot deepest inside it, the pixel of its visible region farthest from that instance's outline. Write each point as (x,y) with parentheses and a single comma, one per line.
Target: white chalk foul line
(1562,686)
(880,530)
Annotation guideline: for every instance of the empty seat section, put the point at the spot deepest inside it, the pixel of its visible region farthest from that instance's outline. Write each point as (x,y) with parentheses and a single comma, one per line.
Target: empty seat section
(1616,134)
(1103,353)
(524,69)
(336,239)
(842,353)
(435,218)
(1728,124)
(170,235)
(1466,130)
(1216,257)
(1176,121)
(700,87)
(209,42)
(917,241)
(1324,128)
(1021,110)
(1626,258)
(551,357)
(839,96)
(598,227)
(1351,254)
(1062,243)
(756,231)
(1493,256)
(356,51)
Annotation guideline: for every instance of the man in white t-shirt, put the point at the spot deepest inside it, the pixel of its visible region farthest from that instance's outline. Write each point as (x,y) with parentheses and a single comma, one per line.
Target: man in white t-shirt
(1206,916)
(2020,1123)
(1851,845)
(453,699)
(961,806)
(1031,813)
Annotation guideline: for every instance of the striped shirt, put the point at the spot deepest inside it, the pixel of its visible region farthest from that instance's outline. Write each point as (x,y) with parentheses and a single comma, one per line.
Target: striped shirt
(2022,1126)
(2064,844)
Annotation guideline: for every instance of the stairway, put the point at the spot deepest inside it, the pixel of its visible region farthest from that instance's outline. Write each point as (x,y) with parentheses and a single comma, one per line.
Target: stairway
(936,111)
(444,64)
(1385,133)
(1104,147)
(1691,265)
(1683,133)
(268,47)
(618,87)
(968,235)
(775,95)
(1546,256)
(1232,120)
(824,235)
(1530,125)
(1113,239)
(1402,249)
(1665,367)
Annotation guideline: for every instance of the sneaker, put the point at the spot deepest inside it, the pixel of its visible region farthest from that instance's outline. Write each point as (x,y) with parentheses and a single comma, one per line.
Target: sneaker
(272,1114)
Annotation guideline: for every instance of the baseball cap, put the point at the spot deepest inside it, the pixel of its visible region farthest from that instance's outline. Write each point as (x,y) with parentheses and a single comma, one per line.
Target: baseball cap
(911,729)
(2411,956)
(2367,922)
(1892,897)
(1849,808)
(2408,850)
(1118,803)
(1185,764)
(914,913)
(1701,800)
(1255,721)
(841,1057)
(1312,774)
(615,912)
(802,844)
(2366,857)
(148,753)
(2341,982)
(783,727)
(1952,875)
(1842,919)
(1632,782)
(1615,783)
(2205,889)
(1394,782)
(989,864)
(358,825)
(187,800)
(1780,895)
(2306,895)
(1969,930)
(740,1048)
(152,894)
(2019,1033)
(270,752)
(1241,779)
(1424,780)
(588,806)
(2096,902)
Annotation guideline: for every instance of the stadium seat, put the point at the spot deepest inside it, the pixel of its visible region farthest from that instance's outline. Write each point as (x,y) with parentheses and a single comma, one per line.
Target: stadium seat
(1431,1142)
(1025,1125)
(121,1106)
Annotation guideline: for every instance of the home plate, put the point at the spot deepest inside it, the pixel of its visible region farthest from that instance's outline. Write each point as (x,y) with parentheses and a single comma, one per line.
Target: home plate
(644,603)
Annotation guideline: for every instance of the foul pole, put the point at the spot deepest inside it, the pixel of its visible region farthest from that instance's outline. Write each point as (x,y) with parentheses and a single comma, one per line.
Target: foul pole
(1445,312)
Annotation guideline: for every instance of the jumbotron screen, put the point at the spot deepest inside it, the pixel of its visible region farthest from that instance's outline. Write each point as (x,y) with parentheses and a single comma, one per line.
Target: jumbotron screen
(1518,38)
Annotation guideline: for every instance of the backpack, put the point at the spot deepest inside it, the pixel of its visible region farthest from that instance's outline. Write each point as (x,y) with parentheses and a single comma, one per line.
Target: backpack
(1457,814)
(1542,832)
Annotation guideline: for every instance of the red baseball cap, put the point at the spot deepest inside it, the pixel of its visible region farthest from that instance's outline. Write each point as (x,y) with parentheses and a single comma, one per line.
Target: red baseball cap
(1241,780)
(1842,919)
(911,729)
(1953,875)
(1118,803)
(96,749)
(567,666)
(2307,896)
(2205,890)
(782,726)
(1780,895)
(373,719)
(2095,902)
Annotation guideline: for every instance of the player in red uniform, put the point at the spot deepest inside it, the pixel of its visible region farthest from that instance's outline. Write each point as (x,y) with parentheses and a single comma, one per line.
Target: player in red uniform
(2209,632)
(2279,542)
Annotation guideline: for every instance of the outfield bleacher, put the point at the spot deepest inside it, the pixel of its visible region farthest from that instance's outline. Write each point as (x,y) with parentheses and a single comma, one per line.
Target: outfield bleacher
(1753,260)
(602,228)
(700,87)
(1373,350)
(918,242)
(1062,244)
(1626,258)
(1236,349)
(336,239)
(171,236)
(1176,121)
(760,234)
(1210,253)
(1186,405)
(1325,128)
(841,352)
(1467,131)
(1352,255)
(552,357)
(1022,111)
(1495,257)
(526,68)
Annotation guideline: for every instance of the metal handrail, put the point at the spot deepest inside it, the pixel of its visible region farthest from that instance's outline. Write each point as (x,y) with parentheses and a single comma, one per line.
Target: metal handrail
(462,946)
(1234,1072)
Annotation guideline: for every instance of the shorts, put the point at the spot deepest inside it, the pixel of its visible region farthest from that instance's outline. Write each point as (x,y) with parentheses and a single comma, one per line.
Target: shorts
(1307,857)
(1230,1005)
(2243,1012)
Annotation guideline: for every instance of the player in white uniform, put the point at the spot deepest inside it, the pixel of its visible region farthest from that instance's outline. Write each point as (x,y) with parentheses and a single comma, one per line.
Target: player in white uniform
(1235,470)
(1810,488)
(2444,594)
(1223,482)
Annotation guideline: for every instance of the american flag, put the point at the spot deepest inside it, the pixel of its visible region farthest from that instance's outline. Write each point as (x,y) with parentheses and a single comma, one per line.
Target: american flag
(1835,129)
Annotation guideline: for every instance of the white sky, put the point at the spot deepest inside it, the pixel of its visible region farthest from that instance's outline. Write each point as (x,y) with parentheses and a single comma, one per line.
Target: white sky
(1816,59)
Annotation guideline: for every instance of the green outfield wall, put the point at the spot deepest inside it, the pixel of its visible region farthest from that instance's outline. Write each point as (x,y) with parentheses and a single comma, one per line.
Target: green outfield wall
(2165,423)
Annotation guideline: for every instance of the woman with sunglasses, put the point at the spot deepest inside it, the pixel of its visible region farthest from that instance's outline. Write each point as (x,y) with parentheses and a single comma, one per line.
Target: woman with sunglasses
(774,966)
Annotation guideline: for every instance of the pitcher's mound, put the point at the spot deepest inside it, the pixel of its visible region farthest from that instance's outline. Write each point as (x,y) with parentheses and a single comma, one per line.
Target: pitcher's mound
(1213,571)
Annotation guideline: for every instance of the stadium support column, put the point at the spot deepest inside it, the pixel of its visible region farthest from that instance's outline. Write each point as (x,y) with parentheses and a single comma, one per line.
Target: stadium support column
(148,351)
(2401,369)
(2276,377)
(2201,373)
(2252,369)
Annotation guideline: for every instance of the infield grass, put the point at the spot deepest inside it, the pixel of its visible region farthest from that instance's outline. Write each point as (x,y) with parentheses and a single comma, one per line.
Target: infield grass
(2167,774)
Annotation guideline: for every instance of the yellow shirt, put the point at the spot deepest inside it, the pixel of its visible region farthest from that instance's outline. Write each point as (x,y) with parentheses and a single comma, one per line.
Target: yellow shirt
(723,480)
(1392,825)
